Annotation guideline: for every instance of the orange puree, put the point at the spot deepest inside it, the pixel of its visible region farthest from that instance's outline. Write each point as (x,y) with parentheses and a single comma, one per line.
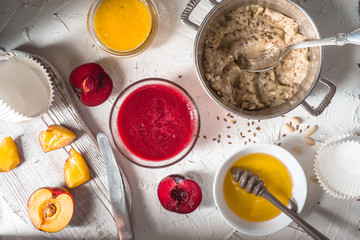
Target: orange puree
(276,178)
(122,25)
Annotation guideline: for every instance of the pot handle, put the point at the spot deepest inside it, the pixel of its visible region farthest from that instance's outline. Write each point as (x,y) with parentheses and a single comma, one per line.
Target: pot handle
(325,102)
(188,10)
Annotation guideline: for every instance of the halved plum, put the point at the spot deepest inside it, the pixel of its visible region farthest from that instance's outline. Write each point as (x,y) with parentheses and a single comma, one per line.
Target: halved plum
(179,194)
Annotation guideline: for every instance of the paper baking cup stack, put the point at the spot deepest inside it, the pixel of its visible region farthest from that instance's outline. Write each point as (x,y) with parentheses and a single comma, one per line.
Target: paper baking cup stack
(337,166)
(25,88)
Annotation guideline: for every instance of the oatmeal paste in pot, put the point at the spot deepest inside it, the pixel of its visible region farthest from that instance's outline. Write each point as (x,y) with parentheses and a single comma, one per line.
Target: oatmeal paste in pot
(242,33)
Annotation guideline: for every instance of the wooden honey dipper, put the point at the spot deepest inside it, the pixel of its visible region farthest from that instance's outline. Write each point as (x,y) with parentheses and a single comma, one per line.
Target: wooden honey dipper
(252,184)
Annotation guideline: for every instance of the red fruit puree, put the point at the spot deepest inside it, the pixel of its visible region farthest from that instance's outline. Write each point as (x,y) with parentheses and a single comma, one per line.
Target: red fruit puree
(155,123)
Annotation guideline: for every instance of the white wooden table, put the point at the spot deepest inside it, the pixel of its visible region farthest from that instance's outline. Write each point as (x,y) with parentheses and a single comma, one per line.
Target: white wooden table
(56,30)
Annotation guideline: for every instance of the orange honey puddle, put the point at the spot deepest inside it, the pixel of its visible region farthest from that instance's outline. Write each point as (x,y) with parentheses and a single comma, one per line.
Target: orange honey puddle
(122,25)
(276,178)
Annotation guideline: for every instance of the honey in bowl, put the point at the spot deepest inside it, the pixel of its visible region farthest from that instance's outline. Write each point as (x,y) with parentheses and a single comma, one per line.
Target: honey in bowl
(276,178)
(122,25)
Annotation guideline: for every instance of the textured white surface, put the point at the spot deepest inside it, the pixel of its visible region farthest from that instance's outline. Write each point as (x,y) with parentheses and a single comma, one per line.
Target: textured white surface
(56,30)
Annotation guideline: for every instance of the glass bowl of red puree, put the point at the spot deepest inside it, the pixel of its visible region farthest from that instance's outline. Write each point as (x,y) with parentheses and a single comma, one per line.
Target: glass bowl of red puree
(154,123)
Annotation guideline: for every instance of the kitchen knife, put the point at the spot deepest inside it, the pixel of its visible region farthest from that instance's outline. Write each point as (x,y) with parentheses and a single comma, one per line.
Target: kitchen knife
(116,189)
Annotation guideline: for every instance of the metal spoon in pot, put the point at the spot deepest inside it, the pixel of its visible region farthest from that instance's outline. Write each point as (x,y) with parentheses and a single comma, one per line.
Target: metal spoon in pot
(252,184)
(267,59)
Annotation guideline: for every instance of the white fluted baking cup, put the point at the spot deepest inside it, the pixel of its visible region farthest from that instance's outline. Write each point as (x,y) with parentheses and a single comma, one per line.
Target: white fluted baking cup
(337,166)
(25,87)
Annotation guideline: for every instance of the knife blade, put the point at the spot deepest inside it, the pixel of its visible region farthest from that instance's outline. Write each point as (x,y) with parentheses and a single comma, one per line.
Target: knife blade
(116,189)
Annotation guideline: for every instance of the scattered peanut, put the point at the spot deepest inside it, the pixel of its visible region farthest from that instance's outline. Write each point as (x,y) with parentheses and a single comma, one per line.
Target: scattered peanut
(295,120)
(311,131)
(289,127)
(297,150)
(310,141)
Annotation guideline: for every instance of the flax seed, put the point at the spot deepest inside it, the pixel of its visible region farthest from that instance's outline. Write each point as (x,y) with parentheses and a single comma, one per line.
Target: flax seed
(284,135)
(204,136)
(314,179)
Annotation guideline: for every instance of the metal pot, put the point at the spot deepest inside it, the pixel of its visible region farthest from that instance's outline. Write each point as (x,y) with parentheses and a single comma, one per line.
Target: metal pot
(307,28)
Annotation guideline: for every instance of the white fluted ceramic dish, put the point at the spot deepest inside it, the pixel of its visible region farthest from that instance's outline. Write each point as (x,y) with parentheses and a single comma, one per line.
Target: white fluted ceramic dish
(26,91)
(337,165)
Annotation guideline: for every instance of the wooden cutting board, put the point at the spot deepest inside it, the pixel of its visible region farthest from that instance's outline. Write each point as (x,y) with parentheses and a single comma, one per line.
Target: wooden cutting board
(93,216)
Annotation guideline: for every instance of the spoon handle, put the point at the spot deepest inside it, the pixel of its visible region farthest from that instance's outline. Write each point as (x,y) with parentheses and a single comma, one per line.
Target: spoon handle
(314,233)
(354,37)
(337,40)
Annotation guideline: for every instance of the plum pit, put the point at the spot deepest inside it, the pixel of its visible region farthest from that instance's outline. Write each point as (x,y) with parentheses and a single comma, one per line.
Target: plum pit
(50,210)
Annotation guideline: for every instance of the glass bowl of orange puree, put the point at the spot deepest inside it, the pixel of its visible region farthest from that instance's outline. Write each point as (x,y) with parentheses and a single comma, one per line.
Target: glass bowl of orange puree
(283,177)
(122,28)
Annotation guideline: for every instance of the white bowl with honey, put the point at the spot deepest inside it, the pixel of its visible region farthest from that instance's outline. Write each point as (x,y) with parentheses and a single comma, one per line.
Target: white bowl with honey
(283,177)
